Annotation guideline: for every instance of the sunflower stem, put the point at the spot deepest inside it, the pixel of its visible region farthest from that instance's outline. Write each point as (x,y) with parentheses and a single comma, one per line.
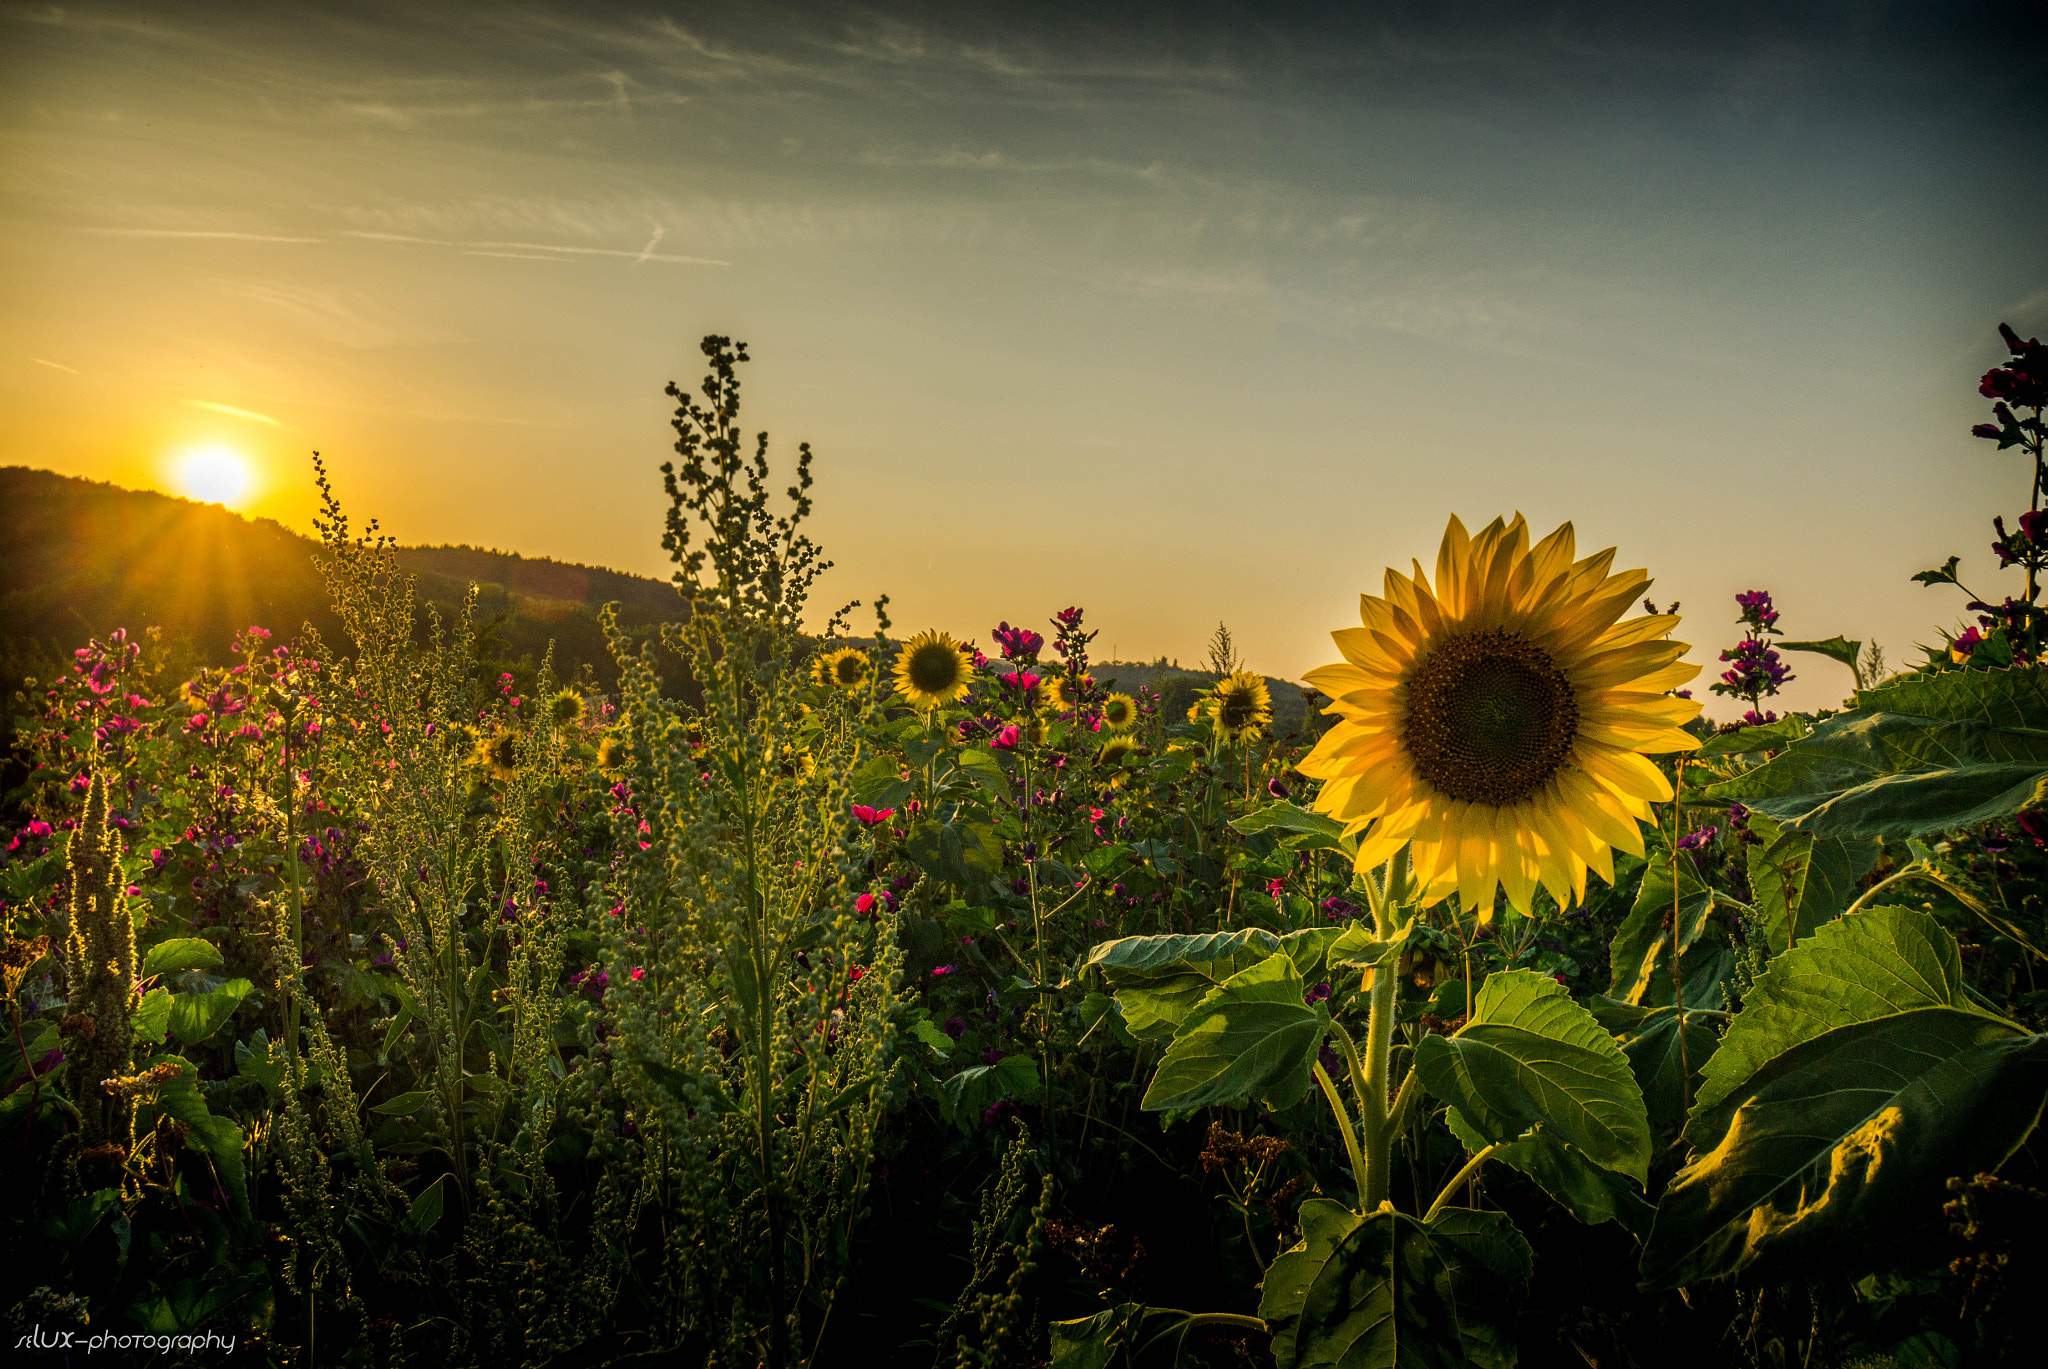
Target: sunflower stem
(1336,1102)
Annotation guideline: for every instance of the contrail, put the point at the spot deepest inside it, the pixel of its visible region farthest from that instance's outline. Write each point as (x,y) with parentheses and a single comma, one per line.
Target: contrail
(231,409)
(648,250)
(56,365)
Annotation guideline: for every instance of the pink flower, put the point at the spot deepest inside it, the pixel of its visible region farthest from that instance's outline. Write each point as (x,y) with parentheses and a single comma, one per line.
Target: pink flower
(1274,886)
(941,971)
(856,973)
(1007,739)
(1023,681)
(871,816)
(864,904)
(638,974)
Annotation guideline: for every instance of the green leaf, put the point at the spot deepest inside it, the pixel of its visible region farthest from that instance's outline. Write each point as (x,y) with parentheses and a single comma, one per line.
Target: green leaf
(1250,1036)
(152,1017)
(1659,1057)
(971,1092)
(1531,1055)
(1589,1192)
(1101,1013)
(964,854)
(1915,757)
(1945,575)
(1356,948)
(1880,962)
(1835,648)
(1836,1142)
(485,1083)
(184,953)
(926,1031)
(404,1105)
(1747,741)
(425,1210)
(1388,1292)
(691,1090)
(1310,948)
(1159,979)
(1298,828)
(196,1016)
(1640,955)
(219,1138)
(1127,1336)
(848,1096)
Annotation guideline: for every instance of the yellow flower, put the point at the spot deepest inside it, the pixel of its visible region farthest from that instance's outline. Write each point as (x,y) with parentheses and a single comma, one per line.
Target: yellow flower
(1057,694)
(1119,711)
(1240,705)
(932,670)
(846,668)
(1497,725)
(499,753)
(566,707)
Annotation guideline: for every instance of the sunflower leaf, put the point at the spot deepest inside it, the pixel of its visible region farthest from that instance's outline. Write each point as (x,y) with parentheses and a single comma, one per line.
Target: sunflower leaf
(1879,963)
(1931,754)
(1835,1141)
(1591,1193)
(1127,1336)
(1298,828)
(1836,648)
(1641,953)
(1250,1036)
(1389,1292)
(1531,1055)
(1801,881)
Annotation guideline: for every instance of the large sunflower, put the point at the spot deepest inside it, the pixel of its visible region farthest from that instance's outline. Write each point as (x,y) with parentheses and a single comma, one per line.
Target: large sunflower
(1496,725)
(932,670)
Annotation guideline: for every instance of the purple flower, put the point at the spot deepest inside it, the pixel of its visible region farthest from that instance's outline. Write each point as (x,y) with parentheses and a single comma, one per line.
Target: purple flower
(1276,789)
(1316,994)
(1018,643)
(955,1027)
(1699,837)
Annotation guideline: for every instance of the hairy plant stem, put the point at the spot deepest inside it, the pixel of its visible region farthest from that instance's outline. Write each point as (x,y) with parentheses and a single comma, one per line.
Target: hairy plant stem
(1471,1167)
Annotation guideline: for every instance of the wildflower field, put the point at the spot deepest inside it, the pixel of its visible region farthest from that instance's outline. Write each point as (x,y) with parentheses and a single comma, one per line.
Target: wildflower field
(818,998)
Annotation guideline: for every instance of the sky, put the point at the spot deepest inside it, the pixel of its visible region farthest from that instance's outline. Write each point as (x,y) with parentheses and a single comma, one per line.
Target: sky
(1183,313)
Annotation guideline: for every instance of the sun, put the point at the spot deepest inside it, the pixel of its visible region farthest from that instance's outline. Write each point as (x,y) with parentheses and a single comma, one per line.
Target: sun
(214,475)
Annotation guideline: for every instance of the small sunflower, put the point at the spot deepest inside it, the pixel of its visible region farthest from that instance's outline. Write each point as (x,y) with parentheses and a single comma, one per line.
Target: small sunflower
(1058,694)
(566,707)
(846,668)
(499,753)
(1111,758)
(1497,724)
(1119,711)
(1240,705)
(932,670)
(611,753)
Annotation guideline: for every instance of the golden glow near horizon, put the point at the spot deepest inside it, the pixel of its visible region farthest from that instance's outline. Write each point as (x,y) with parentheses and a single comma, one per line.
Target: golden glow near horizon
(1179,316)
(213,474)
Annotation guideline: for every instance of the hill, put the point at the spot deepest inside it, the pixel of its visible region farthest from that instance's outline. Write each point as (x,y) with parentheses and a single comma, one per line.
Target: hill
(79,558)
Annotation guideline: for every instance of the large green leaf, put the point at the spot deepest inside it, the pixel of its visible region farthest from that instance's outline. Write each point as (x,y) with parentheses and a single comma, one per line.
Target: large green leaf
(1837,648)
(1388,1292)
(182,953)
(1159,979)
(968,1094)
(1250,1036)
(218,1137)
(1880,962)
(1639,958)
(1127,1336)
(1296,827)
(196,1016)
(1799,881)
(1589,1192)
(1666,1064)
(1833,1143)
(1926,755)
(1529,1056)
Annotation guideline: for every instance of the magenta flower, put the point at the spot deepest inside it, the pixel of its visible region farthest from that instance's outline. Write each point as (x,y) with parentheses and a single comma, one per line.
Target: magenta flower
(1007,739)
(638,974)
(871,816)
(1018,643)
(941,971)
(865,904)
(1023,681)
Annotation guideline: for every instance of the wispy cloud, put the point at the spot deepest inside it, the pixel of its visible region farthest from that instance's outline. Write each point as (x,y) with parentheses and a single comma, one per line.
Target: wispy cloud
(556,250)
(219,233)
(231,409)
(56,366)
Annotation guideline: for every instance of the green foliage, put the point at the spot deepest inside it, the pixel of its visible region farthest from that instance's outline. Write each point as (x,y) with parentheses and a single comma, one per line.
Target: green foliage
(1830,1145)
(1916,758)
(1531,1057)
(1386,1291)
(1881,962)
(1249,1036)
